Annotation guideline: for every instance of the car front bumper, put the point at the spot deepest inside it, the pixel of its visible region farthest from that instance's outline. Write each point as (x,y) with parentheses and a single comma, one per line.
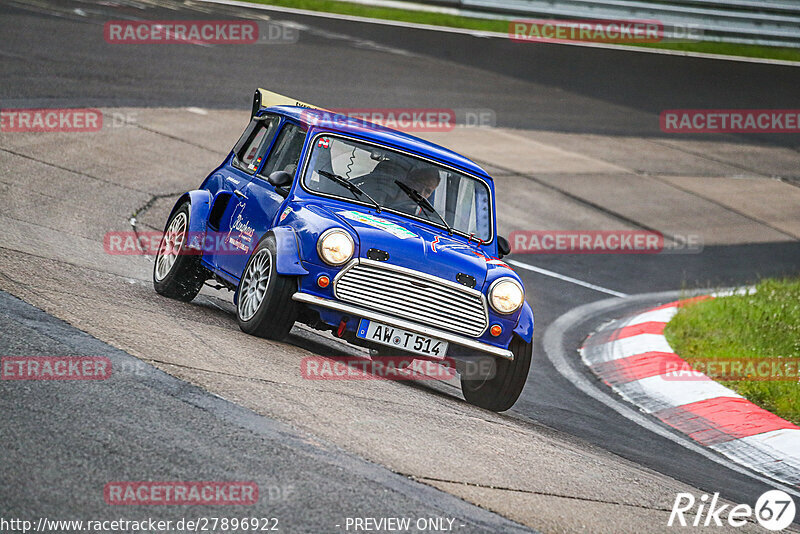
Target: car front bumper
(313,300)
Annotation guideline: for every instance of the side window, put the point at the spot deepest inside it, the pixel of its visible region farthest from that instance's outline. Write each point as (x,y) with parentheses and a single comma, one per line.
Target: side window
(250,149)
(285,155)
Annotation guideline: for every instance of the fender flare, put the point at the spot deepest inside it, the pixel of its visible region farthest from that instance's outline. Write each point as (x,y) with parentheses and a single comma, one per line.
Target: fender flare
(288,252)
(524,328)
(287,261)
(199,208)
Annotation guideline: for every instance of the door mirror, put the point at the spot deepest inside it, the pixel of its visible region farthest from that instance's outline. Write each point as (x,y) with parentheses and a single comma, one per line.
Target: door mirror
(280,178)
(503,246)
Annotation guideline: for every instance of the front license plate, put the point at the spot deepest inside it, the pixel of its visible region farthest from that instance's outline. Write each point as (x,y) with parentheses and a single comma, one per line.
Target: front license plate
(401,339)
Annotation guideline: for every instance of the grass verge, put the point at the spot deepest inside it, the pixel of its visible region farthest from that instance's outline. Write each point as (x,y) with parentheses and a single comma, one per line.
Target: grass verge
(763,325)
(501,26)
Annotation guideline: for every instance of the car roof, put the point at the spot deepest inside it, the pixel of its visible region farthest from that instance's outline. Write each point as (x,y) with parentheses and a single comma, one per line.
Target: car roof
(378,134)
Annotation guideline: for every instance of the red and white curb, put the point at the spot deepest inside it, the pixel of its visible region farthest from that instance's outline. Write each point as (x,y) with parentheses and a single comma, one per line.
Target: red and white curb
(633,357)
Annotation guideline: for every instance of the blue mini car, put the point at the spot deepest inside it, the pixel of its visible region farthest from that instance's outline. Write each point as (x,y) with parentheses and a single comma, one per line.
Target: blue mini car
(384,239)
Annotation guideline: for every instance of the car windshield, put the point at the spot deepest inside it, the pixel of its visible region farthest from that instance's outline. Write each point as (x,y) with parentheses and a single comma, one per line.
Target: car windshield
(461,200)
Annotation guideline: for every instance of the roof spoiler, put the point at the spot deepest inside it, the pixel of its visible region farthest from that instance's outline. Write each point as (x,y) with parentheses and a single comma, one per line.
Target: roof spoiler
(265,99)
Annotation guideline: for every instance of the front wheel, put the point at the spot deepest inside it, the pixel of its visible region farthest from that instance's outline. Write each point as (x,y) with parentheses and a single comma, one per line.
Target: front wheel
(177,274)
(502,391)
(264,305)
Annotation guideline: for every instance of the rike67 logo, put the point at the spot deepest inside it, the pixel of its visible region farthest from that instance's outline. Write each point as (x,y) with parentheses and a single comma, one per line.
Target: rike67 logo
(774,510)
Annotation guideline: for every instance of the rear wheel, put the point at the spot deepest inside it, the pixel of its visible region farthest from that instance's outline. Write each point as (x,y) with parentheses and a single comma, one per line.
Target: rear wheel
(264,305)
(176,274)
(502,391)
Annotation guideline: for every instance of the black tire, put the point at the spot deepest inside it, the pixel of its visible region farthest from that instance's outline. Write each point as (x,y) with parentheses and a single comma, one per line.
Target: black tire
(185,277)
(274,314)
(499,393)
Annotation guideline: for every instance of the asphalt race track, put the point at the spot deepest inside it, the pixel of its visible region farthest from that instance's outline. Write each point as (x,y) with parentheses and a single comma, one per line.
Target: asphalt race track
(187,419)
(562,460)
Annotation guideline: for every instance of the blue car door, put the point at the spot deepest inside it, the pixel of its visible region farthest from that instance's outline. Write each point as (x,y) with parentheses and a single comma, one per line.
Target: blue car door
(232,246)
(259,201)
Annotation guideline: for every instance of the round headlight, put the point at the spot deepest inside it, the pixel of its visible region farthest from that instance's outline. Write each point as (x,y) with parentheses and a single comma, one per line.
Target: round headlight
(335,246)
(506,295)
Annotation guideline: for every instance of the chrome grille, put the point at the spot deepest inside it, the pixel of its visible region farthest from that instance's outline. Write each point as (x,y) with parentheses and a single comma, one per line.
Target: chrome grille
(412,295)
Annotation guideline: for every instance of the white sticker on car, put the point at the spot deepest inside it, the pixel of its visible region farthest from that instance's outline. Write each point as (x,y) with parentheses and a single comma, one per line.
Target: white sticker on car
(379,223)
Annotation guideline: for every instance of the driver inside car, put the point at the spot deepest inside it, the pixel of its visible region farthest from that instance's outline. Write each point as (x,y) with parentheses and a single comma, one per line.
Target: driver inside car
(379,183)
(424,180)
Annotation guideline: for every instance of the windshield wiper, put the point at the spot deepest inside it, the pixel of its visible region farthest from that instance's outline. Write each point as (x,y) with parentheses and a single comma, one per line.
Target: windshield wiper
(350,186)
(423,203)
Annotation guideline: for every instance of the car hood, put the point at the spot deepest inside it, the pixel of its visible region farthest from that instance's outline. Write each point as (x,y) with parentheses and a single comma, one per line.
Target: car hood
(416,246)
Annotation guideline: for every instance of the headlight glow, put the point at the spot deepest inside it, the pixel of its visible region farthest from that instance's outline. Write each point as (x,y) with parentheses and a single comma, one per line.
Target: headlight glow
(335,247)
(506,295)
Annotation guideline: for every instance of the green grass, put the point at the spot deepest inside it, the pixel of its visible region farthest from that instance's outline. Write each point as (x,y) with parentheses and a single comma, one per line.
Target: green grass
(501,26)
(765,324)
(732,49)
